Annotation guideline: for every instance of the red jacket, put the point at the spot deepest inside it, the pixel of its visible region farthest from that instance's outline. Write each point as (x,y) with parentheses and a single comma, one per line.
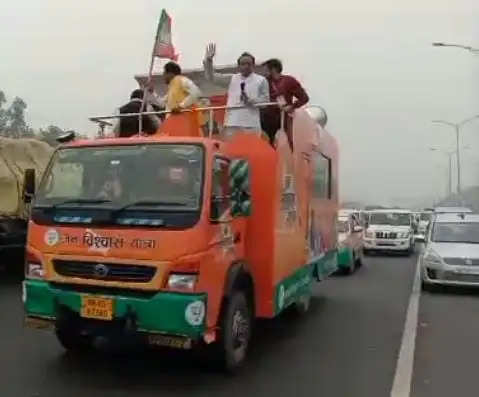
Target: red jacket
(292,92)
(289,88)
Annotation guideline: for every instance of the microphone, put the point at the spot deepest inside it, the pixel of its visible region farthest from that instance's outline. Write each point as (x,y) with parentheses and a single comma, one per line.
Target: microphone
(243,94)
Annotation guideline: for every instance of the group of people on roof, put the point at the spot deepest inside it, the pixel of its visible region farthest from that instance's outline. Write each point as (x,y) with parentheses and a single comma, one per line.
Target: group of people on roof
(246,92)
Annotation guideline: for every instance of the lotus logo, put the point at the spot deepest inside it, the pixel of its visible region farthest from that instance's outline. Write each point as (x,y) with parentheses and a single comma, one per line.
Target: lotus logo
(101,270)
(468,261)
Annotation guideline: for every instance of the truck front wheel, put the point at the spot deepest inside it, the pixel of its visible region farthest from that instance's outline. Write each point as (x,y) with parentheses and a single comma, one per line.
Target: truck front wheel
(235,331)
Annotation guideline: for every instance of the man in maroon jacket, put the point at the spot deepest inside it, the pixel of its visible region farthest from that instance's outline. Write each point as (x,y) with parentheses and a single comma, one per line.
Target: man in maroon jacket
(290,95)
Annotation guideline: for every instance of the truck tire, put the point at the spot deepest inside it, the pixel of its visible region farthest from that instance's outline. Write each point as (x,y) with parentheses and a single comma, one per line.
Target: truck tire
(301,306)
(236,326)
(71,340)
(359,259)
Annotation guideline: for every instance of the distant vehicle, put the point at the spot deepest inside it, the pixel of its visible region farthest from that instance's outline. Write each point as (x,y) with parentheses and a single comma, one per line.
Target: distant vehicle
(452,210)
(350,243)
(356,214)
(422,227)
(364,218)
(451,256)
(16,156)
(390,231)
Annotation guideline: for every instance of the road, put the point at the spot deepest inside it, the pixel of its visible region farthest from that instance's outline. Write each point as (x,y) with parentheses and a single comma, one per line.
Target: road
(347,345)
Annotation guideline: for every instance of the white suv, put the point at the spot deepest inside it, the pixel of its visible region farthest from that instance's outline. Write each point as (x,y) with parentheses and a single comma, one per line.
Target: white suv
(390,231)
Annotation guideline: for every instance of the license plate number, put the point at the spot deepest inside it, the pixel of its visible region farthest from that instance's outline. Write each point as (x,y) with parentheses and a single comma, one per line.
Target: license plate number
(169,341)
(97,308)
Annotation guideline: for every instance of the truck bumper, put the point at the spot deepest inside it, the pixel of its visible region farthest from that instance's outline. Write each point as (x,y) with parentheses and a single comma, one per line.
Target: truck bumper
(401,245)
(156,313)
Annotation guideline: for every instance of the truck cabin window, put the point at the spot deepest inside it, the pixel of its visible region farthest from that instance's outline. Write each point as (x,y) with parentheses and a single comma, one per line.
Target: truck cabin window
(220,190)
(343,227)
(166,174)
(322,177)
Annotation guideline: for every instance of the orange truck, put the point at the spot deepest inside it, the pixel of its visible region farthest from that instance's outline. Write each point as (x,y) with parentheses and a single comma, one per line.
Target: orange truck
(180,241)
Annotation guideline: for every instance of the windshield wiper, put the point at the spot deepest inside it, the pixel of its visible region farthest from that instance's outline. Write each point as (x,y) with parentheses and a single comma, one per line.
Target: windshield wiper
(81,201)
(150,203)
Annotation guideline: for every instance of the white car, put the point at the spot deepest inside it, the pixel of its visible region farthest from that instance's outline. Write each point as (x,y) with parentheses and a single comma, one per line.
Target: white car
(390,231)
(451,255)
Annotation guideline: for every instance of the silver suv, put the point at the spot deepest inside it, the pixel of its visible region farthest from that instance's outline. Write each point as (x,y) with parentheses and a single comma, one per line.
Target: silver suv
(451,254)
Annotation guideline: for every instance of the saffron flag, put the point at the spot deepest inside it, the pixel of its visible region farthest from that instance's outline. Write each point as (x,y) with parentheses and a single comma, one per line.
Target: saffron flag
(163,45)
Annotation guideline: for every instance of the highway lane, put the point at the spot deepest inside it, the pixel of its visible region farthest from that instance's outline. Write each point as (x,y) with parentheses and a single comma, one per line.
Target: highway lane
(347,345)
(446,353)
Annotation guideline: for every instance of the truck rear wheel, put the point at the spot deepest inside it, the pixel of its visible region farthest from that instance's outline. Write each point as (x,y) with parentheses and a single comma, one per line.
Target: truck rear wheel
(235,332)
(70,339)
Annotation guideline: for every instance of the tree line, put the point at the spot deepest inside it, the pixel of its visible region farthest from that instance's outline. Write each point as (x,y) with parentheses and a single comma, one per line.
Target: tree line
(14,125)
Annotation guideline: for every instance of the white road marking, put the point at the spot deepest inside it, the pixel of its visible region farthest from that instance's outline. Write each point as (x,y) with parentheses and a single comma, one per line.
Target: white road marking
(405,363)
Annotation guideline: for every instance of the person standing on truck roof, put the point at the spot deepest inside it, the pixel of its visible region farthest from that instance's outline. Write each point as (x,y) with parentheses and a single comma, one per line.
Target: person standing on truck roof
(130,126)
(289,94)
(182,93)
(245,88)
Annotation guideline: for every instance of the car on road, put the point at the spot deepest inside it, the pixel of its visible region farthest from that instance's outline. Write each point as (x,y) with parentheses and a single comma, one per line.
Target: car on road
(350,243)
(390,231)
(451,255)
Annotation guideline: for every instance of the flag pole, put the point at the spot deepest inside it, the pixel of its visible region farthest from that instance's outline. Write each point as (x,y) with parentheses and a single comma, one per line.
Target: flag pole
(145,89)
(150,73)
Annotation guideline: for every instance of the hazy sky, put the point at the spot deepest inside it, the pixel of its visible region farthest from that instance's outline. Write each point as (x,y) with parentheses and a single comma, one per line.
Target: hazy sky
(370,63)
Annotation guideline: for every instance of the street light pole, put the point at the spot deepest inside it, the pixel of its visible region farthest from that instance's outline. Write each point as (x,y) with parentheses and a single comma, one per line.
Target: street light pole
(458,157)
(457,127)
(449,174)
(449,155)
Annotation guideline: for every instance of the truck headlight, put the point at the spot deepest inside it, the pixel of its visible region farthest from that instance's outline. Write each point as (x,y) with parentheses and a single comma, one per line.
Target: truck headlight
(403,235)
(184,282)
(34,271)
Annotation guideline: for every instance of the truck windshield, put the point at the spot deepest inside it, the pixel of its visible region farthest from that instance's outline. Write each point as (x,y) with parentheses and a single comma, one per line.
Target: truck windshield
(390,218)
(343,226)
(456,233)
(156,176)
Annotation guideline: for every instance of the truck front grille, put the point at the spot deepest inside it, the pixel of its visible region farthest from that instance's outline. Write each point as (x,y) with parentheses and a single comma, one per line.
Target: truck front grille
(105,271)
(386,235)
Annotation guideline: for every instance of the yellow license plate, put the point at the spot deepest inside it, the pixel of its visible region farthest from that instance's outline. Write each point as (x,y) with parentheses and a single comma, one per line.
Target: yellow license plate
(97,308)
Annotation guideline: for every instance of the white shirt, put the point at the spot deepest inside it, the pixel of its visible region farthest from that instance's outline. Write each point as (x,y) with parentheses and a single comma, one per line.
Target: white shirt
(256,88)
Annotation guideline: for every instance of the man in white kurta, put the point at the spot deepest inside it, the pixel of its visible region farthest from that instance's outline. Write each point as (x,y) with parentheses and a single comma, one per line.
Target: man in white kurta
(245,90)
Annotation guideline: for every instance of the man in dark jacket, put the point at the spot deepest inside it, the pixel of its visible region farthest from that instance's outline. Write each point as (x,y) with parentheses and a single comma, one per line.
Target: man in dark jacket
(129,126)
(289,94)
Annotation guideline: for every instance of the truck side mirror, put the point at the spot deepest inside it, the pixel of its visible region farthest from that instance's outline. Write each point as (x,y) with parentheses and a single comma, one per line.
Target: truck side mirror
(29,185)
(240,188)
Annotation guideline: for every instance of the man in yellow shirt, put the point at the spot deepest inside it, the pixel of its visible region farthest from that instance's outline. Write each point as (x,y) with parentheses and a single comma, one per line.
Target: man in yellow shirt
(182,93)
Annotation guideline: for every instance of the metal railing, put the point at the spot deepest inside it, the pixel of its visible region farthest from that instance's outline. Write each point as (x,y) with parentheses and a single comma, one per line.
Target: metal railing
(209,109)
